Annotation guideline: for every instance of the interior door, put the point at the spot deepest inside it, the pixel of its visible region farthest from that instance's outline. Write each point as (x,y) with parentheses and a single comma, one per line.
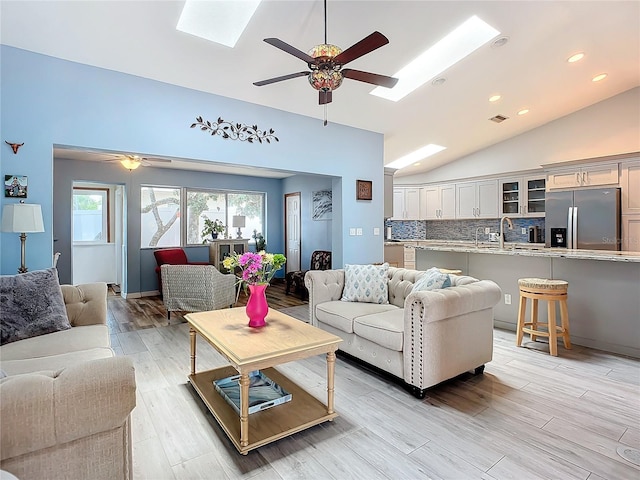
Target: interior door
(292,231)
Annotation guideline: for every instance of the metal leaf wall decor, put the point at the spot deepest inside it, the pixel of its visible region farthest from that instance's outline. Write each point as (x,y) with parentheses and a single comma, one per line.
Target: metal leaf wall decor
(237,131)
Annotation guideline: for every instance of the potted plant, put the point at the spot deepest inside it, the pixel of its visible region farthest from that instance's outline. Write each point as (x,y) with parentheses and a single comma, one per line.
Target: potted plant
(213,228)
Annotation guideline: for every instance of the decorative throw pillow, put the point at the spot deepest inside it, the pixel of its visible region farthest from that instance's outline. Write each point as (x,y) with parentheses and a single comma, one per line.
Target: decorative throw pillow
(432,279)
(31,304)
(366,283)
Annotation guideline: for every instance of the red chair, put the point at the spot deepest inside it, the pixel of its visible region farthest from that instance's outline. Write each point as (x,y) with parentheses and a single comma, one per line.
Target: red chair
(171,256)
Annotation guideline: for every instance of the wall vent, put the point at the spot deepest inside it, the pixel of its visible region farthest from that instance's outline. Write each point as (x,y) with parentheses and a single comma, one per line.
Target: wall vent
(498,118)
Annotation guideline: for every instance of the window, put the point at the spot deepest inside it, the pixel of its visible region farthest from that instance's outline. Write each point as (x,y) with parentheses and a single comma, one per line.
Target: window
(223,206)
(160,217)
(90,215)
(160,224)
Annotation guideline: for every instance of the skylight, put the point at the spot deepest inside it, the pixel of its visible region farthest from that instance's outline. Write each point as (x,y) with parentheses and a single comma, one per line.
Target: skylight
(421,153)
(461,42)
(221,21)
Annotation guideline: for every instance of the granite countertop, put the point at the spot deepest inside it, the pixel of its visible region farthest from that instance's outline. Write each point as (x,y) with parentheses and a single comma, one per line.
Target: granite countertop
(526,249)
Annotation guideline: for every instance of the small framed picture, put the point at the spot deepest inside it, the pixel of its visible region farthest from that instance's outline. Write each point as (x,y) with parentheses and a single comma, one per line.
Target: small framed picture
(364,189)
(15,186)
(322,205)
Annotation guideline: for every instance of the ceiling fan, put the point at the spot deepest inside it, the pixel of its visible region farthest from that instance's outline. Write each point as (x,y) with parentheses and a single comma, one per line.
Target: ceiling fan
(325,62)
(131,162)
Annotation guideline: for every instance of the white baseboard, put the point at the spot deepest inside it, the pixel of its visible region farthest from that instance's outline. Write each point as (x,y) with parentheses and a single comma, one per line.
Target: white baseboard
(150,293)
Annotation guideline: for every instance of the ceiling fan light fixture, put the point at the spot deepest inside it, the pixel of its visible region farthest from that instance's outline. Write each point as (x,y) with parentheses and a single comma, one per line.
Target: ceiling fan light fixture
(455,46)
(130,163)
(325,79)
(325,50)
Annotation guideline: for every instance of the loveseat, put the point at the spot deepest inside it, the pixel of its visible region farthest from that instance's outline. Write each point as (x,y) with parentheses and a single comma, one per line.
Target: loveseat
(65,403)
(421,337)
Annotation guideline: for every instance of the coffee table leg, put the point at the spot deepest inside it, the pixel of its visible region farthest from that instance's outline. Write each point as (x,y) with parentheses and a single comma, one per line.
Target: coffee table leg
(331,367)
(192,340)
(244,409)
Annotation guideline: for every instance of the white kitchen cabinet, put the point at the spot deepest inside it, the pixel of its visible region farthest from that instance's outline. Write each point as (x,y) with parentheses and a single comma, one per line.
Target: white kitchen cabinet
(439,202)
(631,233)
(522,196)
(584,176)
(406,203)
(477,199)
(630,186)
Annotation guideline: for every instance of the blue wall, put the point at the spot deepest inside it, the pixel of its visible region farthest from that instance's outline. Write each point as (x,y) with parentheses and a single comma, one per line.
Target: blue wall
(47,101)
(141,275)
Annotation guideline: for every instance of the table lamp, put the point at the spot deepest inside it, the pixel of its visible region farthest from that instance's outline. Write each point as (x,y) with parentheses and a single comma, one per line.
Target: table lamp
(239,222)
(22,218)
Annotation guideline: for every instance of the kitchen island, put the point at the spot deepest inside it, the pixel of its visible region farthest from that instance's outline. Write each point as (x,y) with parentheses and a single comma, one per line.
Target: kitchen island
(604,286)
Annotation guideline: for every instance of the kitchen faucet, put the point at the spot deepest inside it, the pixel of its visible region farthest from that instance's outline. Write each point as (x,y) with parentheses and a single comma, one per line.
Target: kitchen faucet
(502,229)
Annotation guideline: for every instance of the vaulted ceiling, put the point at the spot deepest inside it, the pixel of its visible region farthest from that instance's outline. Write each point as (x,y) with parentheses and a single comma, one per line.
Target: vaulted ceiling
(529,71)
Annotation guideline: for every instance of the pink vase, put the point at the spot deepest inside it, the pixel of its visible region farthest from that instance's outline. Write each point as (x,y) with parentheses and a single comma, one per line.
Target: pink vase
(257,307)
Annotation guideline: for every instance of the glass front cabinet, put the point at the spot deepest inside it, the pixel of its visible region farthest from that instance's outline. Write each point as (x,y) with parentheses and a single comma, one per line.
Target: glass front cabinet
(522,196)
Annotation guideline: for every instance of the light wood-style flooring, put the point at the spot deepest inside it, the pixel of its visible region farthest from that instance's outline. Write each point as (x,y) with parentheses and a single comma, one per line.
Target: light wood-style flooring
(530,416)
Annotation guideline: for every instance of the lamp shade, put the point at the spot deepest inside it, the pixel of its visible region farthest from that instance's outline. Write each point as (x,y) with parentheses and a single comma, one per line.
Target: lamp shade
(237,221)
(22,218)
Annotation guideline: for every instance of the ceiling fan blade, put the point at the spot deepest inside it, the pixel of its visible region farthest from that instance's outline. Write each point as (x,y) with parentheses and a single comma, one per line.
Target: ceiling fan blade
(325,97)
(364,46)
(279,79)
(372,78)
(276,42)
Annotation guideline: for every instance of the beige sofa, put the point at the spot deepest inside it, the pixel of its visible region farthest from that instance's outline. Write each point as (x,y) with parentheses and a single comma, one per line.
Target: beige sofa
(421,338)
(66,402)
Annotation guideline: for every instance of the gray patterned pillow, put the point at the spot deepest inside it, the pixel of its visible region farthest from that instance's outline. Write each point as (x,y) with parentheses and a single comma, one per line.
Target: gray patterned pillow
(366,283)
(432,279)
(31,304)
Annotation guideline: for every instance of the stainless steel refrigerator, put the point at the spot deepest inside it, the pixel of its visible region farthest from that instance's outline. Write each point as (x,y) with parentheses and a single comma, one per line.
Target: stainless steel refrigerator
(585,218)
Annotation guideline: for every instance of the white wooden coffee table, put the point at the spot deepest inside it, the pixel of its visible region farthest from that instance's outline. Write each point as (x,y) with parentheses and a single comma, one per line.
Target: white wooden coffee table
(283,340)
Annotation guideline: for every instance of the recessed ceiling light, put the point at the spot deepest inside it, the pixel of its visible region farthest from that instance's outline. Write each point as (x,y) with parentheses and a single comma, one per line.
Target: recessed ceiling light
(499,42)
(417,164)
(438,81)
(495,98)
(575,58)
(461,42)
(220,22)
(524,111)
(421,153)
(597,78)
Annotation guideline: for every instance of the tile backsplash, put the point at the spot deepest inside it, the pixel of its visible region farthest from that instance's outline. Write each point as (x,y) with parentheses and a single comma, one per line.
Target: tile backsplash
(461,229)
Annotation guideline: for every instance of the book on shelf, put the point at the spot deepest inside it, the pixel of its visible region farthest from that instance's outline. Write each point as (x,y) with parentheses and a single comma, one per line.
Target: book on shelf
(264,393)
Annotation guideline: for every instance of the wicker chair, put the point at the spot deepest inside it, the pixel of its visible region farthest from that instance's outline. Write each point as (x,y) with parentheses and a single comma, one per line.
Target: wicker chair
(196,288)
(320,260)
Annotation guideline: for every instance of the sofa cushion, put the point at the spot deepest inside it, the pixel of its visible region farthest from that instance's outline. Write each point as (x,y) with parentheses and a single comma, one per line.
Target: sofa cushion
(340,315)
(366,283)
(401,282)
(386,328)
(31,304)
(432,279)
(54,362)
(76,339)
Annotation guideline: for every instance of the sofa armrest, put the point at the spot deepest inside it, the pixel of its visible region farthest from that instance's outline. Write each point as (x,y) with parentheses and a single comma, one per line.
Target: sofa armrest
(323,286)
(43,409)
(86,304)
(436,305)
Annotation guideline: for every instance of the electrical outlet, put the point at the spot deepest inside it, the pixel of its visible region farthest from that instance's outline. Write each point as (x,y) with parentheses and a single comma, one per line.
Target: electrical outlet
(359,231)
(352,231)
(487,230)
(376,231)
(507,299)
(523,231)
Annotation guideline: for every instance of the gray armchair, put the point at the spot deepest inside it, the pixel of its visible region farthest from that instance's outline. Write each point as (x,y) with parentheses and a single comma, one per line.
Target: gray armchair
(196,288)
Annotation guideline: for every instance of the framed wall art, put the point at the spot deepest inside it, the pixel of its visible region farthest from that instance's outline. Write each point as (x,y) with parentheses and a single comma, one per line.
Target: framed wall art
(322,205)
(15,186)
(364,189)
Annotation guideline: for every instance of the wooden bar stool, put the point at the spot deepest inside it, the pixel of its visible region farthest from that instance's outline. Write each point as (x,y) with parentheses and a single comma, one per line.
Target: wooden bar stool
(552,291)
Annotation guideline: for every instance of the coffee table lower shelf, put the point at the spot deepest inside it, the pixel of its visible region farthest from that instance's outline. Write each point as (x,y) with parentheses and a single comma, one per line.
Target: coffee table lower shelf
(303,411)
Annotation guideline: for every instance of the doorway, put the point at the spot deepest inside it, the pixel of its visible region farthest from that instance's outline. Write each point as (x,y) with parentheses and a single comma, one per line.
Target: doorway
(97,233)
(292,232)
